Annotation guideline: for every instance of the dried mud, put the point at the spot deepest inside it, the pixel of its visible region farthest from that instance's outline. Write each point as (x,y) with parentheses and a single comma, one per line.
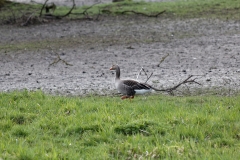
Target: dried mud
(208,48)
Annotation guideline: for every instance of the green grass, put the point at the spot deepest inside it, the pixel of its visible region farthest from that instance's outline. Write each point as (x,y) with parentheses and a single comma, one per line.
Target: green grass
(39,126)
(177,9)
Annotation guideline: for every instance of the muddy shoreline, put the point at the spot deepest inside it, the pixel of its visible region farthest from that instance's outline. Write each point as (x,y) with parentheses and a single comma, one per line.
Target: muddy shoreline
(204,47)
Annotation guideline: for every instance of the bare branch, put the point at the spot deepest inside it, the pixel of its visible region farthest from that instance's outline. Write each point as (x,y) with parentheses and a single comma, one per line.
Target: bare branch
(58,59)
(43,6)
(85,13)
(143,14)
(27,22)
(148,77)
(187,80)
(70,11)
(135,12)
(90,7)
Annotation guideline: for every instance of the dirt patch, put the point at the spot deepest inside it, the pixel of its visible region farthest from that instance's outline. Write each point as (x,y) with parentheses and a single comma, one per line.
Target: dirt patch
(197,46)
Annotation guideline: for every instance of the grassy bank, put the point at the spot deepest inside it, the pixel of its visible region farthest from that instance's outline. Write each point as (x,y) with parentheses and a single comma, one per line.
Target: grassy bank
(181,8)
(38,126)
(177,9)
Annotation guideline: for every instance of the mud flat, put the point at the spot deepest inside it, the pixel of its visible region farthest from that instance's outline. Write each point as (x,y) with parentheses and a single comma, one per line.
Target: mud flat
(205,47)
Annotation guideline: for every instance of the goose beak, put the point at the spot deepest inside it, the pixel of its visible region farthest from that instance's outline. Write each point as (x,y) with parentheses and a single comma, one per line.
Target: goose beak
(111,68)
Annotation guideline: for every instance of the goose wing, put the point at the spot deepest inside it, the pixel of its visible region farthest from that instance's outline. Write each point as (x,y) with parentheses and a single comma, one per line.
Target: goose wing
(135,85)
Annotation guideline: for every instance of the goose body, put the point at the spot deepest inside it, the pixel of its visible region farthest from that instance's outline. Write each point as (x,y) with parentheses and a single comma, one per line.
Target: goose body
(129,87)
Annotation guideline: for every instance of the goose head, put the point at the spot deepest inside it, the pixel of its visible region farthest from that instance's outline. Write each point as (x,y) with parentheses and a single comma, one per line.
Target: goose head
(117,69)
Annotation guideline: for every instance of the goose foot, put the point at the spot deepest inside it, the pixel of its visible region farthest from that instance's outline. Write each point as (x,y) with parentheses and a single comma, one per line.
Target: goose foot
(126,97)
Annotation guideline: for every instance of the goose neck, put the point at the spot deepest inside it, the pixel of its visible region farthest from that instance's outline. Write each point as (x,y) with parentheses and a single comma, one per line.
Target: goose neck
(117,73)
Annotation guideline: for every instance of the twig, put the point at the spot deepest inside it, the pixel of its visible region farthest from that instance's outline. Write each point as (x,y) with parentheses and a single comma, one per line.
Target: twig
(143,14)
(57,17)
(85,13)
(58,59)
(90,7)
(187,80)
(163,58)
(26,23)
(135,12)
(139,72)
(148,77)
(40,15)
(70,11)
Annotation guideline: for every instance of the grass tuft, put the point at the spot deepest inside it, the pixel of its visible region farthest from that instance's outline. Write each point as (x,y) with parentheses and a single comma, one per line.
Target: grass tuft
(134,128)
(19,132)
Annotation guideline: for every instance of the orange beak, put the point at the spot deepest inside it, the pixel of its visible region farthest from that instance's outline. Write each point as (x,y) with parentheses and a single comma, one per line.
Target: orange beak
(111,68)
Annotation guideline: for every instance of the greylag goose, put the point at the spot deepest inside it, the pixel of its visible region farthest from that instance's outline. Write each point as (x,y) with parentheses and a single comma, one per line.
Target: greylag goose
(129,87)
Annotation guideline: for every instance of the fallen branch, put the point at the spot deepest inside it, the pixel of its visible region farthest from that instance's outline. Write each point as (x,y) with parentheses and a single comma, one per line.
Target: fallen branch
(187,80)
(85,13)
(58,59)
(70,11)
(135,12)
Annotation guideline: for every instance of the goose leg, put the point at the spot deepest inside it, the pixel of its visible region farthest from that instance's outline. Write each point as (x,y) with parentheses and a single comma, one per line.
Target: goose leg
(126,97)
